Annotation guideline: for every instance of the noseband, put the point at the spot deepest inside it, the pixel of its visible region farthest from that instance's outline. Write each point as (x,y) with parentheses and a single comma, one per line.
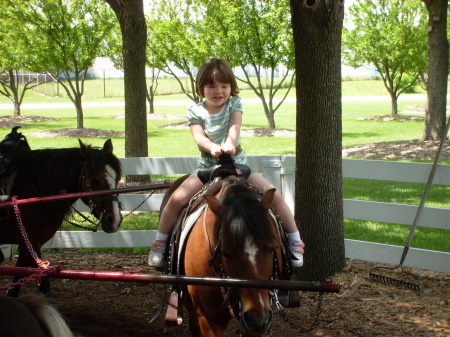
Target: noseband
(94,202)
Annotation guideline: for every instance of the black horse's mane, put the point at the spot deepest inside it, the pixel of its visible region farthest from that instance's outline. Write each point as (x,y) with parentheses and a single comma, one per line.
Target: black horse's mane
(49,169)
(244,216)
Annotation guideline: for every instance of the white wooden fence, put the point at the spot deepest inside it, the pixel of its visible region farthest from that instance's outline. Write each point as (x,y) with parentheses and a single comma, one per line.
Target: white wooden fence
(280,171)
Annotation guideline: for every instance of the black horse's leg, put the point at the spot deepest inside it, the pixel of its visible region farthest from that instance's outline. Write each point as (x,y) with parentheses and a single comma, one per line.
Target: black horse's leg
(21,262)
(24,260)
(14,292)
(44,284)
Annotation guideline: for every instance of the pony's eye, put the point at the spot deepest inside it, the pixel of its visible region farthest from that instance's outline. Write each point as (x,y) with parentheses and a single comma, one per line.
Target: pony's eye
(226,256)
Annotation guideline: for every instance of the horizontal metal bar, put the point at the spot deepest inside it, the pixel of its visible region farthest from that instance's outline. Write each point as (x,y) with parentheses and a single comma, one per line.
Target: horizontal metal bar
(89,275)
(77,195)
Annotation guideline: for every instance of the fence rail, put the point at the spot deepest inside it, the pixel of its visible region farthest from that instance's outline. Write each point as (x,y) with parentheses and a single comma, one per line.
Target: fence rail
(280,171)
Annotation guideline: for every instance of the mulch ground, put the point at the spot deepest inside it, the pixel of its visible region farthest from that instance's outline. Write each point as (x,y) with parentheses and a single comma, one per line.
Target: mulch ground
(363,307)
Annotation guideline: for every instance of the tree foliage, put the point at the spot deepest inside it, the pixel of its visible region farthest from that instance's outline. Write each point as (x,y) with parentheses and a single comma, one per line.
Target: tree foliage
(390,37)
(174,43)
(256,36)
(14,60)
(64,37)
(253,35)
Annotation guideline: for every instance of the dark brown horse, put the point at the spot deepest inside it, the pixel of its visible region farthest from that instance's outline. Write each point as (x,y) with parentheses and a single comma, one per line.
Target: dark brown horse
(30,316)
(235,236)
(38,173)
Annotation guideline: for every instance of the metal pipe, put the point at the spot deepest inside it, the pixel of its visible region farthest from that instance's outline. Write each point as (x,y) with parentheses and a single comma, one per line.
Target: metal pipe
(77,195)
(88,275)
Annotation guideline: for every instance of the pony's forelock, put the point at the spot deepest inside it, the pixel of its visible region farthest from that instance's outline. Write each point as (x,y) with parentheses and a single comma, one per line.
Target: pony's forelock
(244,215)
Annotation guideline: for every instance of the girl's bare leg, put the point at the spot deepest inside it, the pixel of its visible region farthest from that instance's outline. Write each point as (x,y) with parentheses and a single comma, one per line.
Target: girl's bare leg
(169,216)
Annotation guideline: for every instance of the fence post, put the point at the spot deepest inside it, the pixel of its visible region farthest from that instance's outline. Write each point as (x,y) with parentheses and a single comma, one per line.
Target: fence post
(6,250)
(288,180)
(271,170)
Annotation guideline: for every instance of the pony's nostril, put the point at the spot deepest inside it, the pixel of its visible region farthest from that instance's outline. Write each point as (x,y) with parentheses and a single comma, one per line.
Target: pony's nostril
(110,223)
(257,324)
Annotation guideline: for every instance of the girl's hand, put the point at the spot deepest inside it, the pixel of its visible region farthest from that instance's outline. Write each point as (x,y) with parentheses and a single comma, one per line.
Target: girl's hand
(229,149)
(216,150)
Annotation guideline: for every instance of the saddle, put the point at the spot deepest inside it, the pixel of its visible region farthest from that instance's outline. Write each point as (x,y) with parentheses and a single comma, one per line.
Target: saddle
(10,146)
(224,168)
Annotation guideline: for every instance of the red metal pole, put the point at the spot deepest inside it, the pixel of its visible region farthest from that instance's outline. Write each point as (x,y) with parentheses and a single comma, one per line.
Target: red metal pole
(77,195)
(89,275)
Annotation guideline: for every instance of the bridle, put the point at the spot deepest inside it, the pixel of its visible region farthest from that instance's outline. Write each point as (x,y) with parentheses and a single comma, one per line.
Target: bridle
(230,299)
(95,202)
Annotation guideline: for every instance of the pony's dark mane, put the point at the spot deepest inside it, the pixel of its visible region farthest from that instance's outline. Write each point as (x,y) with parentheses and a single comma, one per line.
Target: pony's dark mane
(48,168)
(244,216)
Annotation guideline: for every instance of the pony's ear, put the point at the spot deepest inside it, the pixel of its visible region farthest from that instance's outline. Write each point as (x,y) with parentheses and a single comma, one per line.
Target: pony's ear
(84,149)
(267,199)
(108,147)
(214,204)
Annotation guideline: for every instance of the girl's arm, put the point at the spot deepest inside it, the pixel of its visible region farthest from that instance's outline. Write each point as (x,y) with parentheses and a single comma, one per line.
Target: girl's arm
(204,142)
(234,130)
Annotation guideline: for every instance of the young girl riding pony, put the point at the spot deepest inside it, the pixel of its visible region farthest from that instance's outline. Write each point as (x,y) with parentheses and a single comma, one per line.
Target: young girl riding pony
(215,125)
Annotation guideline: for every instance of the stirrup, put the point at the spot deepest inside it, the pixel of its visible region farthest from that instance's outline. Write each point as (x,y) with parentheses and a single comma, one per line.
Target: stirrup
(174,313)
(289,298)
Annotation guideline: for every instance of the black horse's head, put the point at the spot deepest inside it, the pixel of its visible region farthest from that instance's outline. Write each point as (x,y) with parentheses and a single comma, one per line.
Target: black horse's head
(102,171)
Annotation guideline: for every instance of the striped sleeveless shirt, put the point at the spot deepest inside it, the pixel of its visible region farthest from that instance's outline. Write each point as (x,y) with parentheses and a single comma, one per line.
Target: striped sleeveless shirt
(216,126)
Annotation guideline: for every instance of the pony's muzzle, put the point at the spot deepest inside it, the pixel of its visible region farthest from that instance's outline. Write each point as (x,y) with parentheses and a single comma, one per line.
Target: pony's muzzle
(257,323)
(111,222)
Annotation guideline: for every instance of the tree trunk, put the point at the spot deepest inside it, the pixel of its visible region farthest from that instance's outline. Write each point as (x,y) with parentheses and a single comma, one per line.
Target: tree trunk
(134,38)
(270,116)
(435,111)
(317,28)
(79,108)
(150,100)
(14,87)
(394,104)
(16,108)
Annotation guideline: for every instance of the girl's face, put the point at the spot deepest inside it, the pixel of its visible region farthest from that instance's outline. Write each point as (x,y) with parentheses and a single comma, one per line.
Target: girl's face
(216,94)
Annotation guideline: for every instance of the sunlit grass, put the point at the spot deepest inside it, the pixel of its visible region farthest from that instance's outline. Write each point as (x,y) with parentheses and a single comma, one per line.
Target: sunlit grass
(396,192)
(395,234)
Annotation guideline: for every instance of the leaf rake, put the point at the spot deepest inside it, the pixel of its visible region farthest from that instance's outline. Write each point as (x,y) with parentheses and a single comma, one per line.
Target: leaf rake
(409,280)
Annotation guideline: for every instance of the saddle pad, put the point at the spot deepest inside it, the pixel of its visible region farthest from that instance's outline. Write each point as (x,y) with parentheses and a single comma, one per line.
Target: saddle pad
(189,223)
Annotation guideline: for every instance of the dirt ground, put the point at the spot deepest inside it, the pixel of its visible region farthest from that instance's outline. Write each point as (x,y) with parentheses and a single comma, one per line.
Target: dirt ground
(363,307)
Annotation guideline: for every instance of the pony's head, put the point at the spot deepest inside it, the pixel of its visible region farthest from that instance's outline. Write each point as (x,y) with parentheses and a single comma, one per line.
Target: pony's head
(102,171)
(248,242)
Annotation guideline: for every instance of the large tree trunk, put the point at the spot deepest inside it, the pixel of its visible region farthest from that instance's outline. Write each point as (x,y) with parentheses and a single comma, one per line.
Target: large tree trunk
(435,111)
(317,28)
(134,38)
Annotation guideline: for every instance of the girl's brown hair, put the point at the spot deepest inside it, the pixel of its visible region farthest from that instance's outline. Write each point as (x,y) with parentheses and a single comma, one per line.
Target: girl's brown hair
(215,69)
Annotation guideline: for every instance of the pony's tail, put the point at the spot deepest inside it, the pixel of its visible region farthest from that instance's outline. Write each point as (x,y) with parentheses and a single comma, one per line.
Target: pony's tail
(48,317)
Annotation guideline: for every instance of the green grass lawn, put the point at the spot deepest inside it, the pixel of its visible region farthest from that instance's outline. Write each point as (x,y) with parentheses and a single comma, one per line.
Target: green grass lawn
(165,142)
